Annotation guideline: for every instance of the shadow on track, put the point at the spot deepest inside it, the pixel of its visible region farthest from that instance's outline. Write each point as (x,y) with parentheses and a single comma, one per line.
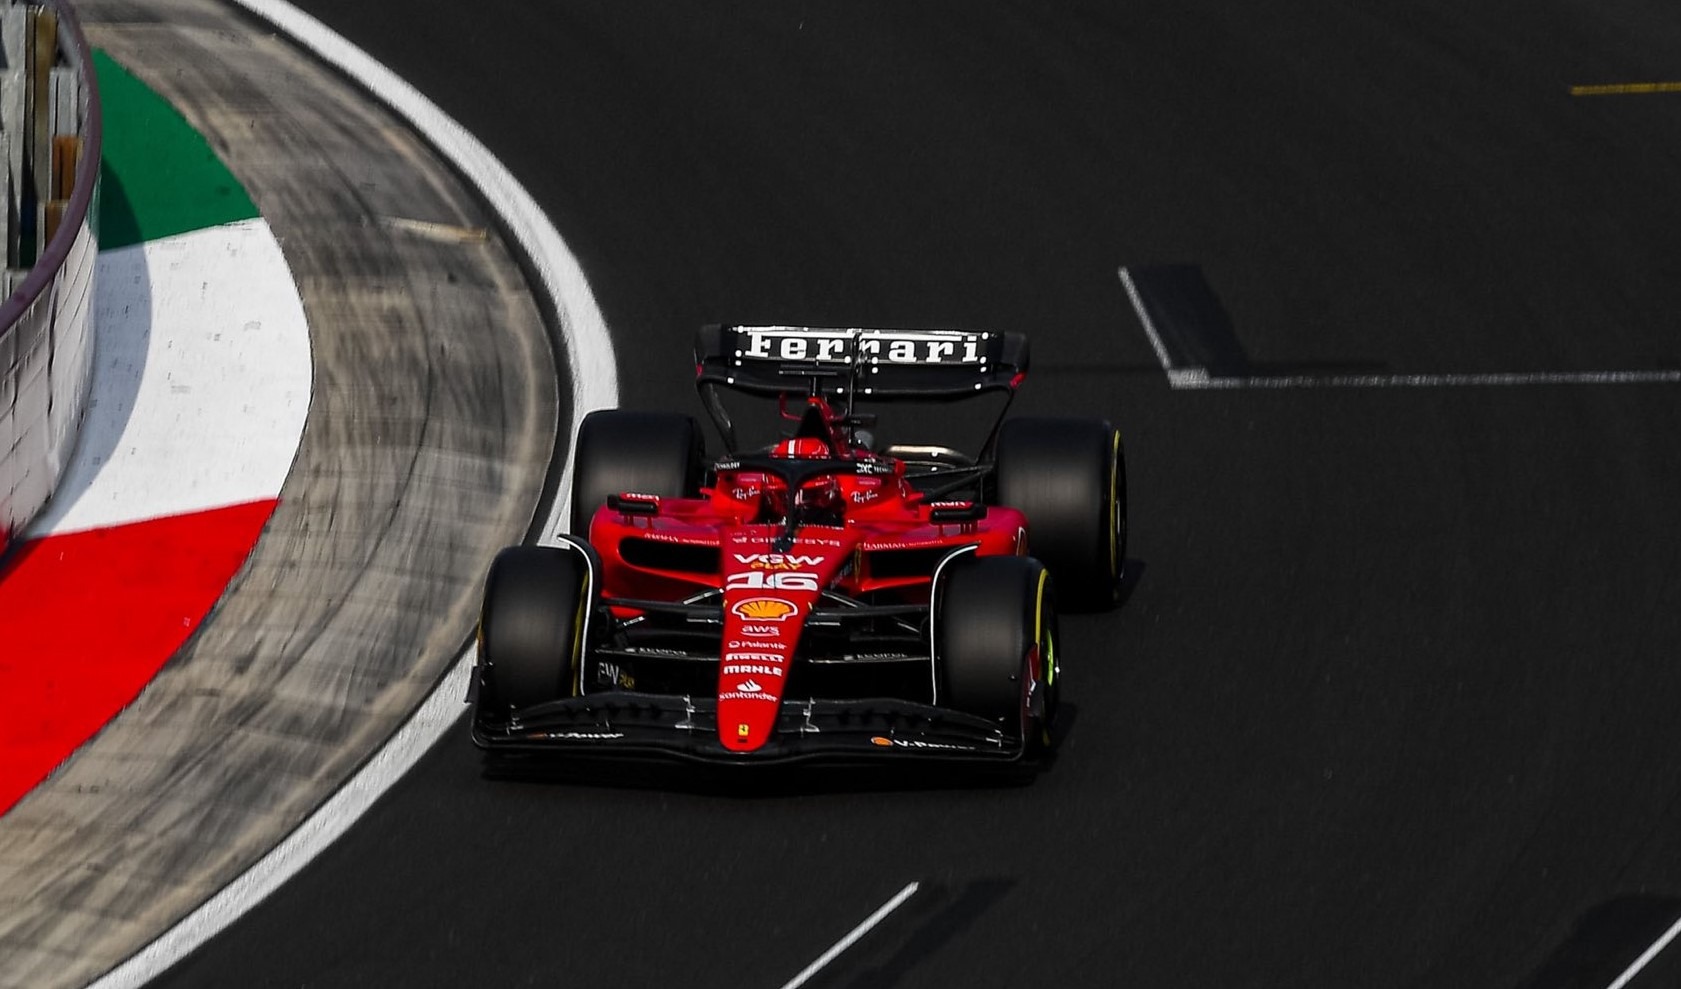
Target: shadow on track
(1604,942)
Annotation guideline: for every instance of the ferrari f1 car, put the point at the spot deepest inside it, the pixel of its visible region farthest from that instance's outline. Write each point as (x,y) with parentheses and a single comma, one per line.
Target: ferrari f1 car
(816,597)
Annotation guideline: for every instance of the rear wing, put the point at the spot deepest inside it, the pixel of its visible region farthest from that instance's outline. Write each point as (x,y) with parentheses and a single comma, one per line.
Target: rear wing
(843,364)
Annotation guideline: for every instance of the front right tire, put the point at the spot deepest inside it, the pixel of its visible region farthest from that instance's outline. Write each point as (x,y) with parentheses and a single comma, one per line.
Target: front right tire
(995,645)
(1068,476)
(620,451)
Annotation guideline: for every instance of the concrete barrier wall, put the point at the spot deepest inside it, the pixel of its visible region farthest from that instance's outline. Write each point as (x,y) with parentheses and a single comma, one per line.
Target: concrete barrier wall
(50,132)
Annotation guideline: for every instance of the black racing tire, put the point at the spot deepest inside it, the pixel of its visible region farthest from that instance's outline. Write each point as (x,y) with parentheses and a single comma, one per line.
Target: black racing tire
(1068,476)
(531,626)
(619,451)
(990,614)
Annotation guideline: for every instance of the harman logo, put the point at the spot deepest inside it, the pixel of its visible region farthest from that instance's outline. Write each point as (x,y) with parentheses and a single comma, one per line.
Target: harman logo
(764,609)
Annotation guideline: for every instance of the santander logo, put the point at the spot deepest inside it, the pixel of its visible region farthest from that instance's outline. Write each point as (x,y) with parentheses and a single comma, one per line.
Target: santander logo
(749,686)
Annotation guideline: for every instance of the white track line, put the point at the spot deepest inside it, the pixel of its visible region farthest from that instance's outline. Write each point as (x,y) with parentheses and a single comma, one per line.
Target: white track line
(1646,958)
(1198,378)
(595,385)
(1148,324)
(852,937)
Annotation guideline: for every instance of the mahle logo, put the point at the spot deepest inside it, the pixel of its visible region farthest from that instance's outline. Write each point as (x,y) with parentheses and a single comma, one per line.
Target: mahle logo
(764,609)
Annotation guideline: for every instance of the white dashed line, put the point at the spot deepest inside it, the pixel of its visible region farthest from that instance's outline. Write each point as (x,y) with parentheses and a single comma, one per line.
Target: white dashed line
(1201,379)
(1646,958)
(1148,323)
(1198,378)
(852,937)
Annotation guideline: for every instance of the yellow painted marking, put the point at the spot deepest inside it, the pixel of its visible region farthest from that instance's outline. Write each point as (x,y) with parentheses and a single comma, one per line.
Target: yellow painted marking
(1114,467)
(443,232)
(1039,625)
(1626,89)
(578,639)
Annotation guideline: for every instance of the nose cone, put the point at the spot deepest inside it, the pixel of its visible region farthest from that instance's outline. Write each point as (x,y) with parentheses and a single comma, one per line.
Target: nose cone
(767,598)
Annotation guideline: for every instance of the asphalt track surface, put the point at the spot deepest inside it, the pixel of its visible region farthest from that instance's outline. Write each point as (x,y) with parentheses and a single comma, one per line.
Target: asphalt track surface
(1393,700)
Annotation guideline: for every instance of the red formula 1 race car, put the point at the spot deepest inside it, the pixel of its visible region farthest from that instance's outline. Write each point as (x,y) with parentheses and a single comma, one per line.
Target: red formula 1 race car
(815,597)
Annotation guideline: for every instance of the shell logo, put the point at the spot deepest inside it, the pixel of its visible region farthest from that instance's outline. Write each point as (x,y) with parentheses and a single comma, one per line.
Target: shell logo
(764,609)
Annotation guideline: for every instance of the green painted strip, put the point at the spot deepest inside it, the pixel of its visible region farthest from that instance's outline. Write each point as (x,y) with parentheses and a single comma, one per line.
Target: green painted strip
(158,176)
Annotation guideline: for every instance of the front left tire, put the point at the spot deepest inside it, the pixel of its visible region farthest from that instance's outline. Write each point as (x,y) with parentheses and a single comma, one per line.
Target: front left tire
(531,627)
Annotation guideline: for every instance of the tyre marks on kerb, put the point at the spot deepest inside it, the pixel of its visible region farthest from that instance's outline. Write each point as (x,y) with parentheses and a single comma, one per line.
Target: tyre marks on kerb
(1198,348)
(594,379)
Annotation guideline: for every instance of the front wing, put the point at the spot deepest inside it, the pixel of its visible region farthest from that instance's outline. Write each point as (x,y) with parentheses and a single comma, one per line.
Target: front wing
(627,723)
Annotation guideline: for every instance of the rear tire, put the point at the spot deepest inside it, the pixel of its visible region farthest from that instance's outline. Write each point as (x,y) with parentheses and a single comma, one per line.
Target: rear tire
(995,631)
(1068,476)
(618,451)
(531,626)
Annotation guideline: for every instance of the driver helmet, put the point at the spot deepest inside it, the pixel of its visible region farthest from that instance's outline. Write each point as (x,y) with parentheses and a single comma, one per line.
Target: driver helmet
(801,447)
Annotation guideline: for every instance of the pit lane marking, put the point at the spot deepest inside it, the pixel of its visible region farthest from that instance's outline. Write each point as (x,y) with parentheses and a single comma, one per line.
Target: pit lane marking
(592,367)
(1647,956)
(1182,377)
(852,936)
(1626,89)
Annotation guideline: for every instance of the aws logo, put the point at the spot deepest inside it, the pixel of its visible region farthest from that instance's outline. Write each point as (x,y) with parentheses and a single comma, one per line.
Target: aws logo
(763,609)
